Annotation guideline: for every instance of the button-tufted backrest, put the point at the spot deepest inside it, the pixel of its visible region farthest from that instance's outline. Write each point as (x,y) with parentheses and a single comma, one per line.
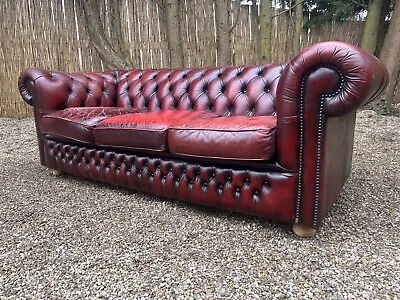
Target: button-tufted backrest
(100,88)
(248,90)
(53,90)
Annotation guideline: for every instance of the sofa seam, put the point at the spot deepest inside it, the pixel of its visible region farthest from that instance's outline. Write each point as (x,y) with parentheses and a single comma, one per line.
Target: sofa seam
(222,130)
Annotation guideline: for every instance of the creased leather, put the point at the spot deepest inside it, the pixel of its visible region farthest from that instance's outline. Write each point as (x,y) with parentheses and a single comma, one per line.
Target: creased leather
(77,123)
(143,130)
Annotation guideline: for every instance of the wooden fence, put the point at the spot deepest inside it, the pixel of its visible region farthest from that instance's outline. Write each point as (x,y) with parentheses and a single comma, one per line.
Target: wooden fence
(53,34)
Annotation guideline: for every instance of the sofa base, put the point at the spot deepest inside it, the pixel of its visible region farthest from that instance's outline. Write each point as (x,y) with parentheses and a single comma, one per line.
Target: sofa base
(301,231)
(268,194)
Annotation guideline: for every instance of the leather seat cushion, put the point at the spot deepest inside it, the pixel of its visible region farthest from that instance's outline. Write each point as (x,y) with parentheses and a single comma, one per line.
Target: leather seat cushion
(77,123)
(233,137)
(145,131)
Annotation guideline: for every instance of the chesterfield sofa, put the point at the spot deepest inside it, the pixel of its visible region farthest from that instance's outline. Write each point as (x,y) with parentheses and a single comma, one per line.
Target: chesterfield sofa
(273,141)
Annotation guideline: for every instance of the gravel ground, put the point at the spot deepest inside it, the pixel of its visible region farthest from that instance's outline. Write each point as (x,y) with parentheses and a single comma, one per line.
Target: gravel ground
(67,238)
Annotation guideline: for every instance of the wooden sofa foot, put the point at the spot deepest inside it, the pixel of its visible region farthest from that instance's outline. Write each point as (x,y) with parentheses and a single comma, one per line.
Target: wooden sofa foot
(303,231)
(56,172)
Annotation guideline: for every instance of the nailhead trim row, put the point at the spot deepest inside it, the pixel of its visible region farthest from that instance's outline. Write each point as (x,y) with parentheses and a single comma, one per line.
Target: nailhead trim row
(318,166)
(301,138)
(319,144)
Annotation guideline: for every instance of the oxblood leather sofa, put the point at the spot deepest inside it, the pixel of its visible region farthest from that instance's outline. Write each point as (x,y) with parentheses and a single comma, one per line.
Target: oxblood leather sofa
(272,140)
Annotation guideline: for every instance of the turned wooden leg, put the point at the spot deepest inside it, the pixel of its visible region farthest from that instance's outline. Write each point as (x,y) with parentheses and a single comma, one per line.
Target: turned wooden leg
(56,172)
(303,231)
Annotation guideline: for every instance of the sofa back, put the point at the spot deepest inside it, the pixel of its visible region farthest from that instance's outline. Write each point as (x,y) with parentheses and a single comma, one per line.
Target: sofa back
(247,90)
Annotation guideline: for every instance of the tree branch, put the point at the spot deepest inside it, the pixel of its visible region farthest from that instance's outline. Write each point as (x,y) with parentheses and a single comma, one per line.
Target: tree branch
(289,9)
(236,17)
(110,56)
(161,5)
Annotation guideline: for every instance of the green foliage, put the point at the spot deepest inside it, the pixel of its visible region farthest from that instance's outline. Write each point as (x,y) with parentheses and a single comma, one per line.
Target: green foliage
(326,11)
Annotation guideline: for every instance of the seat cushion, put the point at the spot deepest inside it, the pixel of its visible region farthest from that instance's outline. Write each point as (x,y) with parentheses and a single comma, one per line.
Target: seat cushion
(77,123)
(146,131)
(234,137)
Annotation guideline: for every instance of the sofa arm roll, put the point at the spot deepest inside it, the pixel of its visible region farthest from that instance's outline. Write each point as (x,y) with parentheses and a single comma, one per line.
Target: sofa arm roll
(329,79)
(52,90)
(361,78)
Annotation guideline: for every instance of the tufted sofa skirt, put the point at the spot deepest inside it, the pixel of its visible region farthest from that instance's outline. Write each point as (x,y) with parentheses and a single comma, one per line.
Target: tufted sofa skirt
(235,189)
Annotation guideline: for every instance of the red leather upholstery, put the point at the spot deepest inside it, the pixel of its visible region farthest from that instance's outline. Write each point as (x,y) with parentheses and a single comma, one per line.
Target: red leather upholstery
(340,76)
(142,130)
(77,123)
(262,193)
(226,91)
(313,99)
(323,85)
(52,90)
(238,137)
